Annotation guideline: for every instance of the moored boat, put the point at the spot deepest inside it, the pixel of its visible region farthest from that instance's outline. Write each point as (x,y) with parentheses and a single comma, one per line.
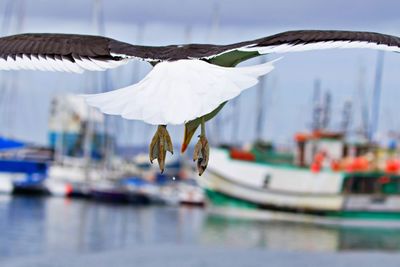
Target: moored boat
(23,167)
(326,181)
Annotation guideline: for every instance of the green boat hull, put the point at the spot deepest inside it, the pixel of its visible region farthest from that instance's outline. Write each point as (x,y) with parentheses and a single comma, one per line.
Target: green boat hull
(222,200)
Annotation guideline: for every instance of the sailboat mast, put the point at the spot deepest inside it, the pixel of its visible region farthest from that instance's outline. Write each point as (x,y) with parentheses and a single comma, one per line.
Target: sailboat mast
(212,36)
(99,26)
(94,83)
(326,111)
(10,84)
(130,127)
(363,101)
(376,96)
(260,104)
(346,116)
(316,112)
(235,120)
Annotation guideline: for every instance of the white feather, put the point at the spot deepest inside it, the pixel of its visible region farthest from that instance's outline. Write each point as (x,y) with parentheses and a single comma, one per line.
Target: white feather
(72,67)
(3,64)
(101,63)
(45,64)
(61,65)
(178,91)
(54,64)
(93,65)
(11,63)
(87,64)
(39,64)
(20,62)
(29,62)
(109,64)
(284,48)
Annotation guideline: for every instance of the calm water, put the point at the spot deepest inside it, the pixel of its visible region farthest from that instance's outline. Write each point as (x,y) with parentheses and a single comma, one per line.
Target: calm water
(34,226)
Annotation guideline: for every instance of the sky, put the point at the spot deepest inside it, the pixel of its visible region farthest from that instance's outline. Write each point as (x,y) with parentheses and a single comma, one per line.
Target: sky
(287,92)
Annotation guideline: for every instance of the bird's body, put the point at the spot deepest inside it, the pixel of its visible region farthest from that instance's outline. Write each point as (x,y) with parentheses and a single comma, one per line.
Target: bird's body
(188,84)
(178,91)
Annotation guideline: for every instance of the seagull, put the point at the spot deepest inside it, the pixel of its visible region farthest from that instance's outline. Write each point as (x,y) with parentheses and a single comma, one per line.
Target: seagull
(188,84)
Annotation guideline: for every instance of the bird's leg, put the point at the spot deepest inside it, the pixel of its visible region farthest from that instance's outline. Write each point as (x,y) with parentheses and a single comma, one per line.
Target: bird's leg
(201,150)
(160,144)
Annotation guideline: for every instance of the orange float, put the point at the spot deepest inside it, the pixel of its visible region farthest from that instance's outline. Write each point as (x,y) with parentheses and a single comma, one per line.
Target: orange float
(242,155)
(392,166)
(358,164)
(315,167)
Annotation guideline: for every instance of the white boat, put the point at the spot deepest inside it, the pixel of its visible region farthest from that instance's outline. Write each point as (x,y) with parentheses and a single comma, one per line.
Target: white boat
(82,152)
(190,194)
(262,190)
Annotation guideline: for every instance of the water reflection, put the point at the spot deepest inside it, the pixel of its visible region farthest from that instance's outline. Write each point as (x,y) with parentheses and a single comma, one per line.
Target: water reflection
(52,225)
(297,236)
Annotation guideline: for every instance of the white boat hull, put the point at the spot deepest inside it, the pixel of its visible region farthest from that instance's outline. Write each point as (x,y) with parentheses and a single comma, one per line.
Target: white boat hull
(6,183)
(288,188)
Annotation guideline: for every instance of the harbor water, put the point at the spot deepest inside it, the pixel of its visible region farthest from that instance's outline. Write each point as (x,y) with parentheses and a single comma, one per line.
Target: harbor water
(44,231)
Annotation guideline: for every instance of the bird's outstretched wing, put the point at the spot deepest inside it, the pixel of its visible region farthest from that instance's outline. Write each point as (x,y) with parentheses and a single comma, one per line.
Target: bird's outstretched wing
(291,41)
(76,53)
(294,41)
(71,52)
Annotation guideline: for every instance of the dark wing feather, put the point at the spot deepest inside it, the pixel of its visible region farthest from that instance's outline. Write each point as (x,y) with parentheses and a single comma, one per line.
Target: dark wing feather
(60,44)
(84,51)
(313,36)
(293,41)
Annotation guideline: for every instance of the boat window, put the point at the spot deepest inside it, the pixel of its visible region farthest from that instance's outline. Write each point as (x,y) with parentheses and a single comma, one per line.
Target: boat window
(371,185)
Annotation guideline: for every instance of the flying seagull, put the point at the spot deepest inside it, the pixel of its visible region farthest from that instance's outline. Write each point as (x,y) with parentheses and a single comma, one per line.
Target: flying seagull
(189,84)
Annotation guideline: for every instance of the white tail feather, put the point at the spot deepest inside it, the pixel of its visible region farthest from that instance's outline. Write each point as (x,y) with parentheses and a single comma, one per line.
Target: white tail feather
(179,91)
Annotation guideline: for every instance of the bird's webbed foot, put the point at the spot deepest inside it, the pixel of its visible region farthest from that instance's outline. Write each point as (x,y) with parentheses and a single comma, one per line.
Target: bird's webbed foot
(160,144)
(201,151)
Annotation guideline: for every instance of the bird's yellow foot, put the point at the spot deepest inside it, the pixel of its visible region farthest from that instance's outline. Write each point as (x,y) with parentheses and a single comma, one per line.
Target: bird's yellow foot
(201,154)
(160,144)
(202,149)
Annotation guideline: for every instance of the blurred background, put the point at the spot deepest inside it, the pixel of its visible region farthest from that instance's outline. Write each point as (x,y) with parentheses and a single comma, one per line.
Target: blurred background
(347,75)
(52,144)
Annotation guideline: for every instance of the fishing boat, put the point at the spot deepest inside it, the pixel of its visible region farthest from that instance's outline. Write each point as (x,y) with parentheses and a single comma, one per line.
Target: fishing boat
(23,167)
(325,181)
